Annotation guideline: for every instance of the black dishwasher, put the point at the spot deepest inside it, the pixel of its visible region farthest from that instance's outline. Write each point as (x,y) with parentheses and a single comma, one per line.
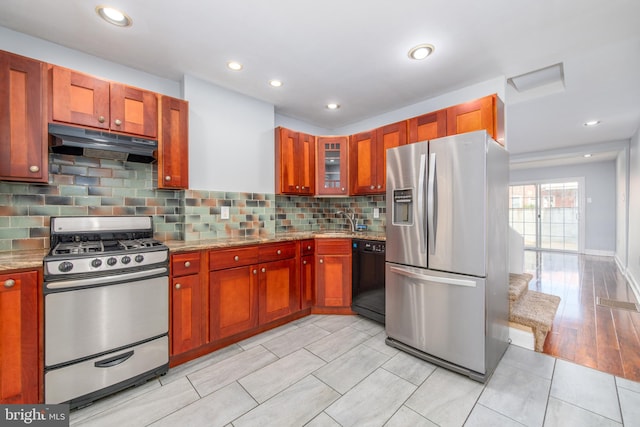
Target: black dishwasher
(368,279)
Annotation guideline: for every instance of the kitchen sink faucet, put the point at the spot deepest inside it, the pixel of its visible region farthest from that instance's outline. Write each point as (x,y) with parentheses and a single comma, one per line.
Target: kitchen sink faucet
(351,216)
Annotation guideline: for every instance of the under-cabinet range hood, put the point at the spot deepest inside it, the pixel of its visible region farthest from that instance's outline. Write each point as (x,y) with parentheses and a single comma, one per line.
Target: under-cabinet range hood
(91,143)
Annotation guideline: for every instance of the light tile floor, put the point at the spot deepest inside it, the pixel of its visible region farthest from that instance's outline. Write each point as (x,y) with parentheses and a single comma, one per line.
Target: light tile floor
(338,371)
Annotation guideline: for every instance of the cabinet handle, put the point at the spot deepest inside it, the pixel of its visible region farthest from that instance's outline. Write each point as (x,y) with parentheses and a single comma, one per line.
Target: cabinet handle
(34,169)
(255,271)
(264,270)
(118,122)
(167,178)
(236,258)
(9,283)
(101,119)
(178,285)
(279,252)
(187,264)
(321,261)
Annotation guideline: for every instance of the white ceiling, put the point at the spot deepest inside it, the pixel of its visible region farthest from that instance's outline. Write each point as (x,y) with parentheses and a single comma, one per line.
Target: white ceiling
(355,53)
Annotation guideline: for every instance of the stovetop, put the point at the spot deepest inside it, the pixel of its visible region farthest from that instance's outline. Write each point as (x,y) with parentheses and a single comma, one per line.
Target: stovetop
(100,246)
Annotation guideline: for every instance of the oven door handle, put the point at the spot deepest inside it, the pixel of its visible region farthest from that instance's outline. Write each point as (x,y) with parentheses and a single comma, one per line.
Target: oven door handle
(113,361)
(102,280)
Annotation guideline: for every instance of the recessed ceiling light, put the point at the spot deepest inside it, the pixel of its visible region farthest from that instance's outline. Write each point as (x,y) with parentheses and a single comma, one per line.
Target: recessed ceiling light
(235,66)
(275,83)
(114,16)
(421,51)
(592,123)
(333,106)
(586,156)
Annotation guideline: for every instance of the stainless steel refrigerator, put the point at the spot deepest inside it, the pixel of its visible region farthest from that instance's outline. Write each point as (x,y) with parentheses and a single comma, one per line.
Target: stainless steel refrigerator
(446,271)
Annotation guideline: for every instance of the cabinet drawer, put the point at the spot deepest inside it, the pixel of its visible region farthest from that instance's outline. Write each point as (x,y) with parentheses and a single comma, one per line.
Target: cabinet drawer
(307,247)
(229,258)
(333,246)
(278,251)
(183,264)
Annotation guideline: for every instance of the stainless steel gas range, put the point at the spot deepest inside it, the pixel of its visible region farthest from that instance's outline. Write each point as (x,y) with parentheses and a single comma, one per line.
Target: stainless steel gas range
(106,307)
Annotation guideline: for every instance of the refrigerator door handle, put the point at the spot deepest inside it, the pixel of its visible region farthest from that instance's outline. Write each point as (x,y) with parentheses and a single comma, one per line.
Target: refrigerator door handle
(431,204)
(433,279)
(421,209)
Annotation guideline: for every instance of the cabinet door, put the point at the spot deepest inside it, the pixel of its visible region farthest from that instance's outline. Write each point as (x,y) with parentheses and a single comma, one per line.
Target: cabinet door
(187,327)
(19,365)
(278,290)
(306,163)
(390,136)
(133,111)
(333,272)
(295,162)
(173,144)
(233,301)
(362,163)
(428,126)
(307,282)
(23,130)
(473,115)
(331,167)
(79,98)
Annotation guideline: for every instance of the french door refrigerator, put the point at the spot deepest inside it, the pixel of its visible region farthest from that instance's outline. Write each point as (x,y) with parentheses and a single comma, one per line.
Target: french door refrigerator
(446,271)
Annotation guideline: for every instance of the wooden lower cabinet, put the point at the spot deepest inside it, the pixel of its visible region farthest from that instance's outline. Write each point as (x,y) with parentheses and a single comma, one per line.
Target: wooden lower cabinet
(233,301)
(19,365)
(307,267)
(333,273)
(188,303)
(279,293)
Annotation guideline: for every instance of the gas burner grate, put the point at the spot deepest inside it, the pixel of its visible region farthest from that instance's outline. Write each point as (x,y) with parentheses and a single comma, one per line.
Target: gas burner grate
(78,248)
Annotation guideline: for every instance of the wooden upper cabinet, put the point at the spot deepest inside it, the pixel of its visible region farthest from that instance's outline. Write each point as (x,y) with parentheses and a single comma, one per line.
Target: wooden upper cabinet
(85,100)
(295,162)
(173,143)
(134,110)
(484,113)
(23,129)
(332,170)
(368,157)
(19,362)
(428,126)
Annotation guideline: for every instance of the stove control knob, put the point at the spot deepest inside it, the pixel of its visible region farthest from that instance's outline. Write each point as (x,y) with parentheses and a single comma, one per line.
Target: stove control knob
(126,259)
(65,267)
(112,261)
(96,263)
(139,258)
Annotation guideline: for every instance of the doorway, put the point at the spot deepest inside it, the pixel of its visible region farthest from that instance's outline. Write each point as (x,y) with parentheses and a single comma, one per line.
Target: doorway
(549,214)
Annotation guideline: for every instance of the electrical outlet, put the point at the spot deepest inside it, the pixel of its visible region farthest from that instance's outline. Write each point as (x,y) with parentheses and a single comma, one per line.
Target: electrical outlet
(224,212)
(376,212)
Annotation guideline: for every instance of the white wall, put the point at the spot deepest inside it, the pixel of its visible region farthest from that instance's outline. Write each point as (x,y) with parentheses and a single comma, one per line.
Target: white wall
(633,264)
(622,208)
(231,139)
(52,53)
(600,184)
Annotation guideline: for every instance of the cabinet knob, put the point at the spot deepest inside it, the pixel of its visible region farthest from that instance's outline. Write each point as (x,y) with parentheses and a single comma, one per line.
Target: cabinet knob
(236,258)
(279,252)
(118,122)
(373,186)
(321,261)
(187,264)
(297,187)
(178,285)
(255,271)
(309,247)
(167,178)
(342,189)
(379,186)
(101,119)
(304,262)
(264,270)
(34,169)
(9,283)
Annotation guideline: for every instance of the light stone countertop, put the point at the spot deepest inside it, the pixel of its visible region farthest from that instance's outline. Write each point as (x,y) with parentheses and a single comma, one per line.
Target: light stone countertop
(32,259)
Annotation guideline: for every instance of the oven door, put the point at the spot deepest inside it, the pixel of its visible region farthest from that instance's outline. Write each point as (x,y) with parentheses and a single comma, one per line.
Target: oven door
(114,313)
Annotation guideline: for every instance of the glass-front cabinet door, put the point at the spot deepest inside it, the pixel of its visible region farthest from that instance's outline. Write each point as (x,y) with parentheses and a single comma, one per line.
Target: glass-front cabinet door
(332,165)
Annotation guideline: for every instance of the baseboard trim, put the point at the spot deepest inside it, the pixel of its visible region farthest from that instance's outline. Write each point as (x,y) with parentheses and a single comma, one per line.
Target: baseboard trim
(598,252)
(622,268)
(633,283)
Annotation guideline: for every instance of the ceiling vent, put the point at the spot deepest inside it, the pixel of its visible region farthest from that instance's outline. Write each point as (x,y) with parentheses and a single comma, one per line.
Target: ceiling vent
(548,76)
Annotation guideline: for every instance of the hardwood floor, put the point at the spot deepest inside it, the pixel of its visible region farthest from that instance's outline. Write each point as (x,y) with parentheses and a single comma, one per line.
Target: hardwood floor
(593,335)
